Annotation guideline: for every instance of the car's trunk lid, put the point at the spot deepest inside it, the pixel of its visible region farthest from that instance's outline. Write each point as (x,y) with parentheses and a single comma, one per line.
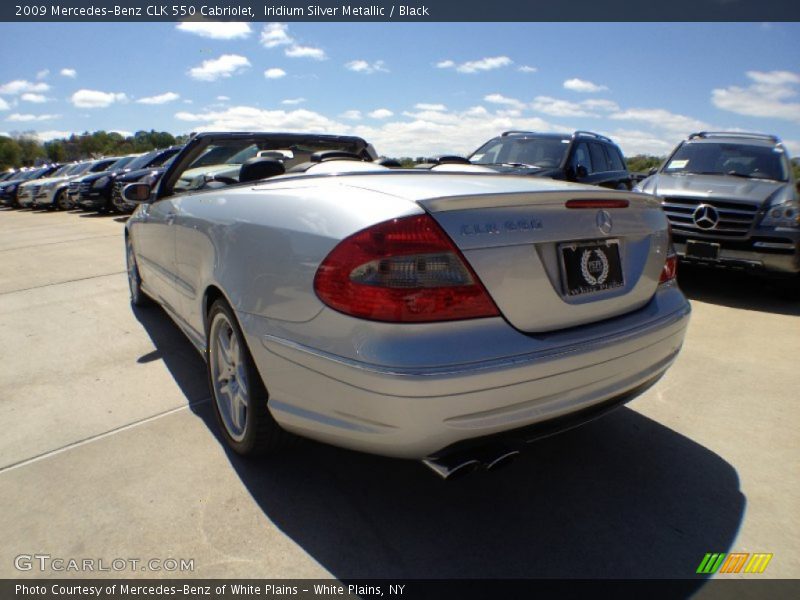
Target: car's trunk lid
(550,267)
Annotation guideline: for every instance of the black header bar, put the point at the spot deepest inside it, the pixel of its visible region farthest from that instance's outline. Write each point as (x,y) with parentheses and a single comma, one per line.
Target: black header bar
(388,10)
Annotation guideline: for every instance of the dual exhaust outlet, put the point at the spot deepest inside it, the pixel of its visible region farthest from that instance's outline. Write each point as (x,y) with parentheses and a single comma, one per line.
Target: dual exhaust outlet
(458,464)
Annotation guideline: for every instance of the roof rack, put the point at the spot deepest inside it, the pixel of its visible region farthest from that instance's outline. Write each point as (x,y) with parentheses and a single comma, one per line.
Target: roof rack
(592,134)
(755,136)
(514,131)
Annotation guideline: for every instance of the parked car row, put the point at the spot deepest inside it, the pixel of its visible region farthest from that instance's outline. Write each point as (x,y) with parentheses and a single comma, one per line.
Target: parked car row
(86,184)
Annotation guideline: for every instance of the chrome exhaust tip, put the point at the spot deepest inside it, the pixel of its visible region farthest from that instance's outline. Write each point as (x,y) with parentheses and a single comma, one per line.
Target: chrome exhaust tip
(451,469)
(451,466)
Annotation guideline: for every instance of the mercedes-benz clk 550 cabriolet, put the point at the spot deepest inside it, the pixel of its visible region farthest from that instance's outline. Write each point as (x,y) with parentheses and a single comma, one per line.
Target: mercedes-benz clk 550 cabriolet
(444,316)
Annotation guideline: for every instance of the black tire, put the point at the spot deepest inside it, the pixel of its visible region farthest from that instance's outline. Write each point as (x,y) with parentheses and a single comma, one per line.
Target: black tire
(61,201)
(789,289)
(138,297)
(260,433)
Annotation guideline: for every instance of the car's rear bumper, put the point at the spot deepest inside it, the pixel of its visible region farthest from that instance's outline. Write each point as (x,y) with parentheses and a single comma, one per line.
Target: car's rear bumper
(415,411)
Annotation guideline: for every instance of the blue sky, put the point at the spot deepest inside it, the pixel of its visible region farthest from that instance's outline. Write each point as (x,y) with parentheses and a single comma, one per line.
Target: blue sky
(411,89)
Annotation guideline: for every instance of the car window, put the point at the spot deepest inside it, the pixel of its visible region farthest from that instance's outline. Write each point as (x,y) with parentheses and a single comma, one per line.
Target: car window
(744,160)
(220,162)
(539,152)
(599,160)
(614,158)
(580,157)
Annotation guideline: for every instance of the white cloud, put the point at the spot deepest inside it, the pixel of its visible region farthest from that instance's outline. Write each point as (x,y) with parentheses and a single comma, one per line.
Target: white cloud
(4,105)
(662,119)
(500,99)
(247,118)
(160,99)
(428,133)
(35,98)
(435,107)
(215,30)
(599,104)
(46,136)
(305,52)
(445,64)
(633,142)
(96,99)
(223,98)
(527,69)
(21,86)
(293,101)
(793,147)
(274,73)
(25,118)
(767,96)
(564,108)
(42,74)
(583,86)
(484,64)
(381,113)
(71,73)
(560,108)
(352,115)
(224,66)
(362,66)
(275,34)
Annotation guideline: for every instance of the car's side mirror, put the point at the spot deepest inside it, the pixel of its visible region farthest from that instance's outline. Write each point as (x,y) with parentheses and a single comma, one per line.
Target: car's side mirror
(652,171)
(581,172)
(136,193)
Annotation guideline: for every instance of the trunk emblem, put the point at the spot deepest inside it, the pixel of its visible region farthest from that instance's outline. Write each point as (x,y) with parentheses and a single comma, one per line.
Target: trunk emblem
(603,220)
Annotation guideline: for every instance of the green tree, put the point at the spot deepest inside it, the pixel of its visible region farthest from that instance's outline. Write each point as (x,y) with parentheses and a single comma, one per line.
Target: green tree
(643,162)
(10,153)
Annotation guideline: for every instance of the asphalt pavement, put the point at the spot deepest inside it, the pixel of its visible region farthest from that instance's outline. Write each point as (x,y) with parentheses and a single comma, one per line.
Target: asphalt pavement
(110,452)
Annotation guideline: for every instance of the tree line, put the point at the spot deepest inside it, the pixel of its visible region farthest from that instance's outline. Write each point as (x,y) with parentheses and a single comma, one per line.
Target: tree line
(26,150)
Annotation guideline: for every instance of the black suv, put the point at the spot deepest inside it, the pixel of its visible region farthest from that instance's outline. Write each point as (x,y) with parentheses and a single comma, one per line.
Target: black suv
(583,157)
(95,192)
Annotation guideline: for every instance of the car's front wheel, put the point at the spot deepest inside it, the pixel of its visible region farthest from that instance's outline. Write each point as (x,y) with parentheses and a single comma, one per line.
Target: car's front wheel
(62,201)
(240,398)
(138,297)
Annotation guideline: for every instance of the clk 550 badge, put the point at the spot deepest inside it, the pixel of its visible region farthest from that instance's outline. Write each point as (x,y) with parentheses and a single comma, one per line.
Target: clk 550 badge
(495,228)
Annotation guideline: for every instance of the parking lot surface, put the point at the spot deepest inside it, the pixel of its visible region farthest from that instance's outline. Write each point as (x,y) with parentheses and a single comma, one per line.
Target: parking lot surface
(110,451)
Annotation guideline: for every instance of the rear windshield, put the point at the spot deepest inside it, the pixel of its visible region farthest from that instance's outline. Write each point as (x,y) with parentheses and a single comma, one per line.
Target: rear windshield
(534,152)
(743,160)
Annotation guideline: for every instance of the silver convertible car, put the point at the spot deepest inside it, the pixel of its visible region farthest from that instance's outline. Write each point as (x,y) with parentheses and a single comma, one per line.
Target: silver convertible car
(450,315)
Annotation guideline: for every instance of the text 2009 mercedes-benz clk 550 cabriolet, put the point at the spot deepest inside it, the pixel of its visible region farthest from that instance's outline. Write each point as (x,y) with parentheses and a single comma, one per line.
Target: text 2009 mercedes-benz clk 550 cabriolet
(443,315)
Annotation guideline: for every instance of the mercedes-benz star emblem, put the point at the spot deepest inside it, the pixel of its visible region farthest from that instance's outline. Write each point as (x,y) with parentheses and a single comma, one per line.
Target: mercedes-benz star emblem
(603,221)
(705,216)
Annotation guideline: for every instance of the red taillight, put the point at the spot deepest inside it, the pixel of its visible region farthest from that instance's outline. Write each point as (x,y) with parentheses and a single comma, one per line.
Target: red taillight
(597,204)
(670,270)
(403,270)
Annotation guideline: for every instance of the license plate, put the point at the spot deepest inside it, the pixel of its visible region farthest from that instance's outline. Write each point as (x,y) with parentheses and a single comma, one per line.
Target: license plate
(590,267)
(706,250)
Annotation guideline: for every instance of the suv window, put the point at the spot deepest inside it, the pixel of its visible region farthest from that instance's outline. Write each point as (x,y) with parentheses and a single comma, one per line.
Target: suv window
(614,158)
(744,160)
(580,156)
(534,151)
(599,160)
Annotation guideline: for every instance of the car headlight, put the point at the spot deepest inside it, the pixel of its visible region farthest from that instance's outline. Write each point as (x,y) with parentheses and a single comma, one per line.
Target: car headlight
(102,182)
(11,189)
(782,215)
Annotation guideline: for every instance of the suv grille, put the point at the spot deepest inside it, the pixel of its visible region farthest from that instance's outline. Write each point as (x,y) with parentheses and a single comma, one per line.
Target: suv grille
(116,193)
(84,188)
(735,218)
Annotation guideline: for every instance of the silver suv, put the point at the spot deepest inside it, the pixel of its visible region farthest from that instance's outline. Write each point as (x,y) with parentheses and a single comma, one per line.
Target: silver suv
(732,201)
